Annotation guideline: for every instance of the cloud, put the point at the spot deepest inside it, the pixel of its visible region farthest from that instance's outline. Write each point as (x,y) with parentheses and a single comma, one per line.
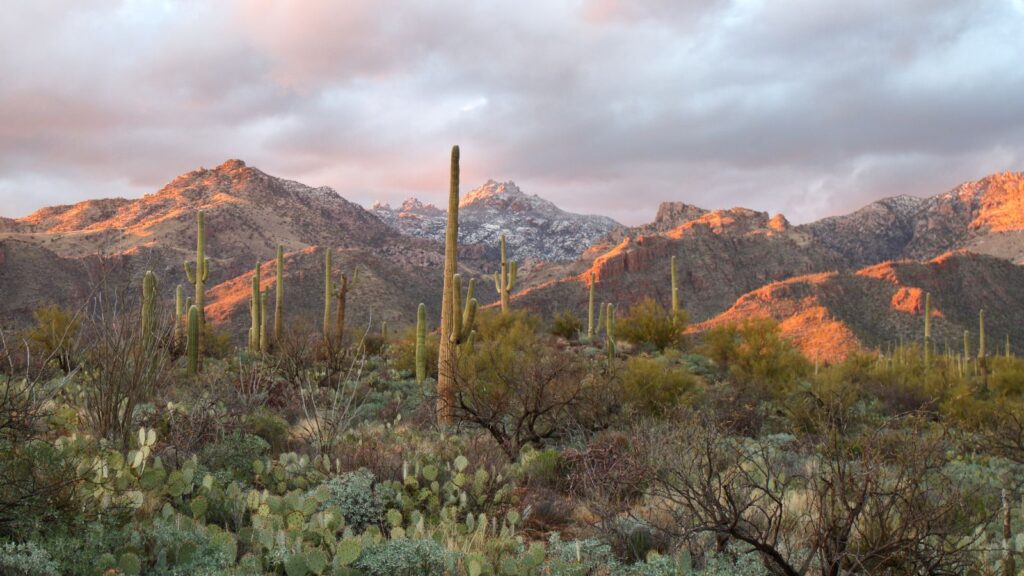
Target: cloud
(795,106)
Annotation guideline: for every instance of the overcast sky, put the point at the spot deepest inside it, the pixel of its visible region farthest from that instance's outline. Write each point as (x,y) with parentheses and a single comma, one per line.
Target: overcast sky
(805,107)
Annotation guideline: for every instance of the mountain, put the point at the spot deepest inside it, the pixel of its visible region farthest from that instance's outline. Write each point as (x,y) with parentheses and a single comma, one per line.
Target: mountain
(248,213)
(729,259)
(829,315)
(985,216)
(534,228)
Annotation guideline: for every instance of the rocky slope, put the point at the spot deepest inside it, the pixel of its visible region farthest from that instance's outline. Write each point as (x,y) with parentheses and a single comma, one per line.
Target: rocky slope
(535,229)
(829,315)
(248,213)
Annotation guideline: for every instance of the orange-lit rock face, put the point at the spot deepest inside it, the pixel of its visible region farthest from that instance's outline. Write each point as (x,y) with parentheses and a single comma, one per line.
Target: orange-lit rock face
(910,301)
(1001,202)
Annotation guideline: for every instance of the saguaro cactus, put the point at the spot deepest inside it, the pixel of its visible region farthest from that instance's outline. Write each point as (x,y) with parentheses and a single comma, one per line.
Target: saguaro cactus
(255,311)
(675,293)
(982,354)
(279,295)
(341,294)
(264,342)
(927,327)
(148,309)
(447,361)
(327,295)
(194,330)
(462,331)
(198,277)
(609,333)
(179,315)
(505,280)
(591,327)
(421,343)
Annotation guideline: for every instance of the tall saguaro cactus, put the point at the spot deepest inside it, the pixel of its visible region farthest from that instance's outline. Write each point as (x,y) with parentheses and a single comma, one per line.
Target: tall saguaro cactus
(345,284)
(591,328)
(264,342)
(279,295)
(609,334)
(505,280)
(675,293)
(179,315)
(327,295)
(447,360)
(255,311)
(194,330)
(982,354)
(148,309)
(927,328)
(421,343)
(462,331)
(198,277)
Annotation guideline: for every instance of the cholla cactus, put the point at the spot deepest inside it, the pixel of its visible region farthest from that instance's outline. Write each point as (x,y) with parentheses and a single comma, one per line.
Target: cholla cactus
(198,277)
(505,280)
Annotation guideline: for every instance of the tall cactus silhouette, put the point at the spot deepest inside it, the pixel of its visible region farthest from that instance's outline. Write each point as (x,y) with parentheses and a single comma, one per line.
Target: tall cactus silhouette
(927,327)
(609,334)
(198,277)
(421,343)
(505,280)
(179,316)
(148,310)
(675,293)
(255,311)
(341,295)
(264,342)
(279,295)
(194,331)
(462,331)
(327,295)
(591,327)
(447,360)
(982,353)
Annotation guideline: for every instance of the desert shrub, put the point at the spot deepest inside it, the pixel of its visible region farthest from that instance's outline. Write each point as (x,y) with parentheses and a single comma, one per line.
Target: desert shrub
(542,467)
(361,499)
(184,547)
(26,559)
(218,342)
(607,471)
(566,325)
(516,386)
(648,324)
(754,352)
(268,426)
(234,454)
(403,557)
(651,387)
(55,336)
(1006,377)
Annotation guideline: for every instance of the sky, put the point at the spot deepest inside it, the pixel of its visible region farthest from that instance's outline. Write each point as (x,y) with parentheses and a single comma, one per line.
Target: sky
(805,107)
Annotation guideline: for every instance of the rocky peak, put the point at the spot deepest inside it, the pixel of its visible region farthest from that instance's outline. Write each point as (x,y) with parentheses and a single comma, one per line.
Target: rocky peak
(492,191)
(672,214)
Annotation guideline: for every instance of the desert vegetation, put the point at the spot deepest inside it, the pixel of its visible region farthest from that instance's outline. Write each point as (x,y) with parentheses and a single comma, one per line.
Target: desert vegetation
(135,438)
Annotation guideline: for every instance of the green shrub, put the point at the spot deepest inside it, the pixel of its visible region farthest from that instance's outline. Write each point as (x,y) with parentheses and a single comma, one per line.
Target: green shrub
(402,557)
(542,467)
(754,352)
(183,547)
(270,427)
(566,325)
(234,454)
(648,324)
(651,387)
(26,559)
(361,499)
(403,353)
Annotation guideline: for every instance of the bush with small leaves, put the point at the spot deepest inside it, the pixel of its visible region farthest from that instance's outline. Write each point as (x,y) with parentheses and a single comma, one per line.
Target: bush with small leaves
(652,387)
(268,426)
(649,324)
(26,559)
(403,557)
(360,498)
(566,325)
(234,455)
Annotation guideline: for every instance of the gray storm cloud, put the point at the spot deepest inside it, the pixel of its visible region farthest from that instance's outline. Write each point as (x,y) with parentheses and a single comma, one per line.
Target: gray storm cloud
(797,106)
